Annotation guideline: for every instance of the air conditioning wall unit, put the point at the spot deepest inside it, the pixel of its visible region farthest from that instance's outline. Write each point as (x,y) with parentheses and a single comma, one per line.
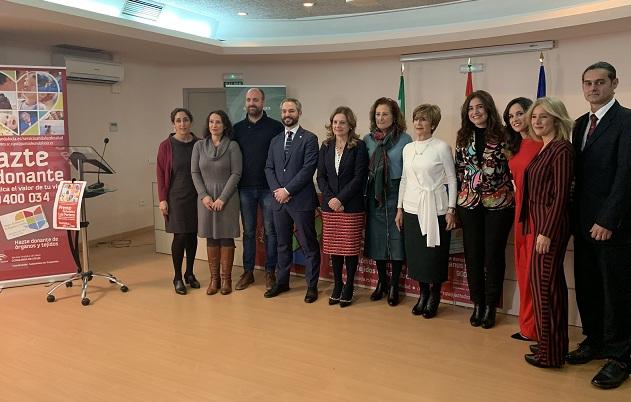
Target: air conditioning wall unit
(90,70)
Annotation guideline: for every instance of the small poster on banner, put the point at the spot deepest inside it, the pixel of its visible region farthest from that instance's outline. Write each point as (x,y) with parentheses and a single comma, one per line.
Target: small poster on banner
(67,207)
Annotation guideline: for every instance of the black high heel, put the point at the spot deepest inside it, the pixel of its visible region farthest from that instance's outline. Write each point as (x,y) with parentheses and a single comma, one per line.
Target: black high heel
(421,304)
(488,321)
(335,295)
(192,281)
(380,290)
(393,295)
(476,316)
(179,287)
(347,295)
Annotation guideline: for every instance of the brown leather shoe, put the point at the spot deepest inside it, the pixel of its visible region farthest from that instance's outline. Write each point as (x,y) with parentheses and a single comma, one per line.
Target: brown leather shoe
(245,280)
(213,266)
(227,258)
(270,280)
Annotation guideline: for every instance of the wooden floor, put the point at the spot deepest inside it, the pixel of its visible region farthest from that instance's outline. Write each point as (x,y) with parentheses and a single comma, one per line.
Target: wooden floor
(152,345)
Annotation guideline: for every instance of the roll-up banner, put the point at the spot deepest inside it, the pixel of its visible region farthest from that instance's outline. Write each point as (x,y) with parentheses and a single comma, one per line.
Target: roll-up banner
(33,123)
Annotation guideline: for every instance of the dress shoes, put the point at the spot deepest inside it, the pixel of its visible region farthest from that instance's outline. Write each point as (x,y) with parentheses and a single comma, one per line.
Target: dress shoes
(179,287)
(534,348)
(312,295)
(192,281)
(393,295)
(531,359)
(432,307)
(380,290)
(246,279)
(421,304)
(585,353)
(270,280)
(611,375)
(347,295)
(476,317)
(335,295)
(488,320)
(276,290)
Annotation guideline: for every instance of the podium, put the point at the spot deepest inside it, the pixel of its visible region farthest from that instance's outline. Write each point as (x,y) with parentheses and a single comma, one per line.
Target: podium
(85,160)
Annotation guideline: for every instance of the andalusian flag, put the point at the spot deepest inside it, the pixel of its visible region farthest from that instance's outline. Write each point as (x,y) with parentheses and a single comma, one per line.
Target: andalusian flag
(401,97)
(541,86)
(469,89)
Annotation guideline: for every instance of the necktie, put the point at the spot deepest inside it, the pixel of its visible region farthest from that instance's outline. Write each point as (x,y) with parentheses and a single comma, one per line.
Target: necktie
(592,126)
(288,142)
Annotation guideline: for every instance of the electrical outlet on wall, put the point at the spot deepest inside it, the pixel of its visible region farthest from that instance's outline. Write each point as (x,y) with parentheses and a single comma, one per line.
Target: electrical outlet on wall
(141,203)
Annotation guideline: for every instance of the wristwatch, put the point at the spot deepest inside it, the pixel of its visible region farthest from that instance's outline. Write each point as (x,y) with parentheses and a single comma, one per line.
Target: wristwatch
(451,210)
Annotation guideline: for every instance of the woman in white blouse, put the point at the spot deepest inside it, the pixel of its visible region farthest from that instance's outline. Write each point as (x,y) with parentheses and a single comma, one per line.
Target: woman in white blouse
(426,208)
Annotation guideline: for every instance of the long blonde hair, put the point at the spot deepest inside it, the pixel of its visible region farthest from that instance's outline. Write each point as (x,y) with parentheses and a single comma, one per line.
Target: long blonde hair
(554,107)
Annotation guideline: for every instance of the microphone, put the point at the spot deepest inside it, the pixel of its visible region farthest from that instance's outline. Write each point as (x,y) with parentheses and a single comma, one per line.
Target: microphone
(98,184)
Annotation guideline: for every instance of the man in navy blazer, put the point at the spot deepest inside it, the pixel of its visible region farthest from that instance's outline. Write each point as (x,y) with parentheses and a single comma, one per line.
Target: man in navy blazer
(291,162)
(602,228)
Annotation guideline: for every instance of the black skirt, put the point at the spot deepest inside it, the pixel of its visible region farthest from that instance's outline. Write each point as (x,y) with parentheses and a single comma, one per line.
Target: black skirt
(425,264)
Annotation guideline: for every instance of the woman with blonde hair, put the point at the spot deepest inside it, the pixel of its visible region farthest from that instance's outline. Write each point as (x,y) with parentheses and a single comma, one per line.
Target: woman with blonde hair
(342,172)
(545,214)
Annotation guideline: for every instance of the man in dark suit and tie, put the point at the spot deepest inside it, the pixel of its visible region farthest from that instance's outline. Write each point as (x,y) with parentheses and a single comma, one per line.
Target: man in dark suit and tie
(291,162)
(602,228)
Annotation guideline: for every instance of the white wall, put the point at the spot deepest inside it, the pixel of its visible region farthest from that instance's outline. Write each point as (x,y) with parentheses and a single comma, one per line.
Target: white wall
(149,92)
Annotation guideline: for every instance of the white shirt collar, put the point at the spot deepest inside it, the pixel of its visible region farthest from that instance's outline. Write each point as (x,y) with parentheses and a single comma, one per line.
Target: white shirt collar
(600,113)
(293,129)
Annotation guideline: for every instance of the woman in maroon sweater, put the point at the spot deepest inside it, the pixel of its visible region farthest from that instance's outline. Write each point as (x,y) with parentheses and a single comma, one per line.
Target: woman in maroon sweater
(178,197)
(545,214)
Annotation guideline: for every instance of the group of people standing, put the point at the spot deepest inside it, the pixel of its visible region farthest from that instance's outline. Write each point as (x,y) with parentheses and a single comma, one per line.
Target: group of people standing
(404,195)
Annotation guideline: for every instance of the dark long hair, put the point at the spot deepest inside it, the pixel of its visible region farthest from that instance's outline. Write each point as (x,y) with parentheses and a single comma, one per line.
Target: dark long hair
(494,132)
(511,137)
(227,125)
(398,120)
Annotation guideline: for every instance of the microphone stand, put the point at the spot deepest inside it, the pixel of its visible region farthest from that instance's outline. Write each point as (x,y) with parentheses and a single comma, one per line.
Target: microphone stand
(99,185)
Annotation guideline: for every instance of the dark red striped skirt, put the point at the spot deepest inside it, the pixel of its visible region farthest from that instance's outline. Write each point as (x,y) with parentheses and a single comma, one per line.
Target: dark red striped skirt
(342,232)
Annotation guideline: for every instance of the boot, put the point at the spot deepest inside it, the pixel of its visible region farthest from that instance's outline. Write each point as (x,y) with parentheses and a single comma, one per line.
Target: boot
(393,291)
(488,321)
(434,301)
(227,258)
(213,266)
(421,304)
(476,316)
(382,286)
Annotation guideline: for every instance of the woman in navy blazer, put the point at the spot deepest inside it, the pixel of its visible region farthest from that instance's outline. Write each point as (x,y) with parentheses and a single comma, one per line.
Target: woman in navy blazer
(342,173)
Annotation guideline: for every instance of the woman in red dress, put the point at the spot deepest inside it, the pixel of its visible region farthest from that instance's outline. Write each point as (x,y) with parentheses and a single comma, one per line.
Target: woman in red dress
(545,214)
(521,147)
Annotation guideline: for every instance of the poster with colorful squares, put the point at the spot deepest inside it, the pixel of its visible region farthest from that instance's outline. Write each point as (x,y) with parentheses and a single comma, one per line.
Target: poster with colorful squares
(33,132)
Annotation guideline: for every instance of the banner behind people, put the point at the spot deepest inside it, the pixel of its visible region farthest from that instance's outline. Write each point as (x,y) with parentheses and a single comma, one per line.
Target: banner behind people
(32,123)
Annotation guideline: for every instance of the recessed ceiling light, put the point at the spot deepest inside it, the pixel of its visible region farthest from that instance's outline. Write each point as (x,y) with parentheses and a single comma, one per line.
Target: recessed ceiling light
(242,14)
(308,4)
(349,1)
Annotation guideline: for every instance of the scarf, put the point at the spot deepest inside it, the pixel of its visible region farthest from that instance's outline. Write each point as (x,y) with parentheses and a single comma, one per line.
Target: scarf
(378,168)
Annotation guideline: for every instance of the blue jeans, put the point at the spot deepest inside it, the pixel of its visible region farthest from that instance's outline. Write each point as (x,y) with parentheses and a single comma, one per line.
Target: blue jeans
(251,198)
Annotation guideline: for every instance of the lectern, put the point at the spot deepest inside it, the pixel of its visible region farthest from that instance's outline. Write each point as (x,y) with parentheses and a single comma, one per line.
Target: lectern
(86,161)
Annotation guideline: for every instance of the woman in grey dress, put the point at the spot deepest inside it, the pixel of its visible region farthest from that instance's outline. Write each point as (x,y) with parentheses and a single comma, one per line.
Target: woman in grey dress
(216,169)
(178,198)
